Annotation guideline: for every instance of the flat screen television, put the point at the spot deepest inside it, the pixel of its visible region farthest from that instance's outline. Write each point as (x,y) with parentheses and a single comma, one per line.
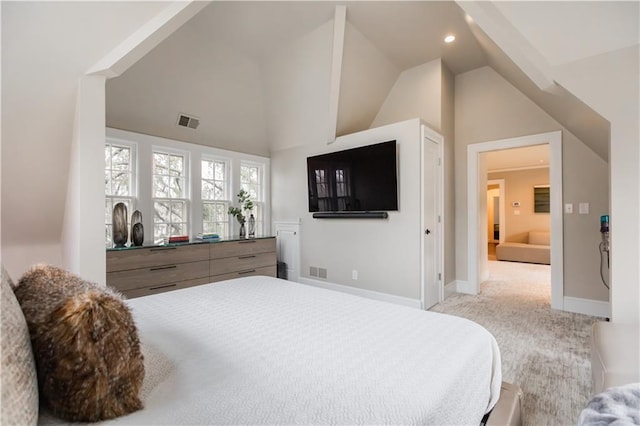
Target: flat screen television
(362,179)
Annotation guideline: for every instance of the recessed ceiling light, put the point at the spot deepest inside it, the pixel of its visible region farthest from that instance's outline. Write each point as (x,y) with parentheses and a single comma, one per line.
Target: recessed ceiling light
(450,38)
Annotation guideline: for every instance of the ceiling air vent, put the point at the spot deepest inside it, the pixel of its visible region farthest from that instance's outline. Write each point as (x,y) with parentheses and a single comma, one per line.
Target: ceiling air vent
(188,121)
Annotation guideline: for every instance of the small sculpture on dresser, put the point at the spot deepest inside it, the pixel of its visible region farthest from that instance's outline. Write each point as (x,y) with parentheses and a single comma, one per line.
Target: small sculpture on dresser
(137,230)
(119,225)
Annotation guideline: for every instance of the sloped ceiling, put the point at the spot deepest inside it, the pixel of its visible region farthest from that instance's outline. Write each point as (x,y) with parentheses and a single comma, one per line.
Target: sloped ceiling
(46,47)
(212,67)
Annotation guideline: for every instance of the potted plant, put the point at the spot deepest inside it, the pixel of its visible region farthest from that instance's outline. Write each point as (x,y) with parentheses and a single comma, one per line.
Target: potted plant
(238,212)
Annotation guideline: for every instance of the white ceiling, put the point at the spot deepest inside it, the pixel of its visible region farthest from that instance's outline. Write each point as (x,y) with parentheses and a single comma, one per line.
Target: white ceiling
(409,33)
(559,44)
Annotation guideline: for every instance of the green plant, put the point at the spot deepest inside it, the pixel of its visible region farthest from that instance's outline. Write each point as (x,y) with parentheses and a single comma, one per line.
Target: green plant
(245,205)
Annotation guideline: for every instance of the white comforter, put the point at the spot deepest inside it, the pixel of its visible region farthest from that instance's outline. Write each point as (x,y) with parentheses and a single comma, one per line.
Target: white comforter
(260,350)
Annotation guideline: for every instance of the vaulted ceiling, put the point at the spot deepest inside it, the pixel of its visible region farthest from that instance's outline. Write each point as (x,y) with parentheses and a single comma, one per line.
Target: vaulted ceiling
(213,67)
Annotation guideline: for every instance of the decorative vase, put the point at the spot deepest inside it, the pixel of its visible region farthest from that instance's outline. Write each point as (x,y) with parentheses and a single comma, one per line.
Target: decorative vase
(252,226)
(243,231)
(119,225)
(137,234)
(137,230)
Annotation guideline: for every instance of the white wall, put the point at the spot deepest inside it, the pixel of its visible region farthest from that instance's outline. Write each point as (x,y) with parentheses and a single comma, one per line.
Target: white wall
(416,93)
(386,252)
(297,86)
(448,132)
(609,83)
(367,77)
(148,97)
(83,230)
(489,108)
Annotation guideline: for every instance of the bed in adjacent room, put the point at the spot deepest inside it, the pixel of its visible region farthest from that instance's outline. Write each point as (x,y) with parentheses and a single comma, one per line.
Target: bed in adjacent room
(261,350)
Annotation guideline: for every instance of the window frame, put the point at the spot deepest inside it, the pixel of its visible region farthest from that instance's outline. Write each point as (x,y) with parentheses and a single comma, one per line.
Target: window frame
(226,223)
(260,203)
(132,198)
(186,199)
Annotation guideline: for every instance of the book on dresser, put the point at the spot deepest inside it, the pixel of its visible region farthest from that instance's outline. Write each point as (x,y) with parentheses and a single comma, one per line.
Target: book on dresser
(141,271)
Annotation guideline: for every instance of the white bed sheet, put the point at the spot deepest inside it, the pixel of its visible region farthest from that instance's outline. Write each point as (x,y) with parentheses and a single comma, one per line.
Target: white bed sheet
(260,350)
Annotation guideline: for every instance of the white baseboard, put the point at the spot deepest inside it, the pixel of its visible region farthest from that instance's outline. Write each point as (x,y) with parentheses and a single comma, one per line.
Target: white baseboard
(464,287)
(369,294)
(450,288)
(596,308)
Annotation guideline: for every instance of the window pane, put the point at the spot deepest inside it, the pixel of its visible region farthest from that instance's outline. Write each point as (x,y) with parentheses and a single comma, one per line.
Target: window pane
(176,189)
(219,192)
(176,164)
(162,211)
(160,232)
(120,184)
(161,186)
(107,182)
(207,190)
(207,169)
(178,212)
(120,158)
(107,156)
(220,173)
(221,213)
(160,163)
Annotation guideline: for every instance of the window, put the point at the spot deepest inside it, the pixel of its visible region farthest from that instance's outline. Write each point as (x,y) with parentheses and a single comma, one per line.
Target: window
(170,198)
(251,180)
(215,196)
(119,180)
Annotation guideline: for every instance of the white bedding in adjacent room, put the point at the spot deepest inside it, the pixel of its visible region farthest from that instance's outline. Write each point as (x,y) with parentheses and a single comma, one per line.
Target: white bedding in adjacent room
(260,350)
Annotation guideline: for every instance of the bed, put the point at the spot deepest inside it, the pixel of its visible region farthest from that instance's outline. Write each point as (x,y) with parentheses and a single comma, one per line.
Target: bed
(260,350)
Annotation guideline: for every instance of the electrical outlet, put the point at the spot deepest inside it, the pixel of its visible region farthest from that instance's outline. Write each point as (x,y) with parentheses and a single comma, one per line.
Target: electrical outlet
(354,274)
(313,271)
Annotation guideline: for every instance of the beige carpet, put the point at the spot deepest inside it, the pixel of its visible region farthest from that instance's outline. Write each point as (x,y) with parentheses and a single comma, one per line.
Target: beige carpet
(545,352)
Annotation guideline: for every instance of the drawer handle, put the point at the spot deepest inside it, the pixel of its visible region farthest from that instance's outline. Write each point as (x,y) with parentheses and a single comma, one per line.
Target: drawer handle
(160,268)
(247,241)
(246,272)
(247,257)
(162,286)
(163,248)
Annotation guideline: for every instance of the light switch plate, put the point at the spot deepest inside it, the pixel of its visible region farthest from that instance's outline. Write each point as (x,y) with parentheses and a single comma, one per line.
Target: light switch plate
(568,208)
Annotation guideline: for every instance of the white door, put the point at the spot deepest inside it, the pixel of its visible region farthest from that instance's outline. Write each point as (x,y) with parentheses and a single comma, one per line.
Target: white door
(431,232)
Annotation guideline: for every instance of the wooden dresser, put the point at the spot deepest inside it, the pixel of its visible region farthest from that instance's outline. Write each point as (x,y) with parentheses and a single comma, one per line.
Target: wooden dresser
(140,271)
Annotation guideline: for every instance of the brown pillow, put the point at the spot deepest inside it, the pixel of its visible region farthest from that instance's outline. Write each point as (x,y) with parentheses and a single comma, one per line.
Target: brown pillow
(85,345)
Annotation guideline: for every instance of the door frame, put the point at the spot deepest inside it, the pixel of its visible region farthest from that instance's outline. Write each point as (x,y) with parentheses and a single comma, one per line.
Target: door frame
(438,139)
(474,189)
(501,206)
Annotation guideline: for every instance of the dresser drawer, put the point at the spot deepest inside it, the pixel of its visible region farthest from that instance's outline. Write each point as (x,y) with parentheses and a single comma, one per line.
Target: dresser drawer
(269,271)
(242,248)
(241,263)
(147,291)
(121,260)
(158,275)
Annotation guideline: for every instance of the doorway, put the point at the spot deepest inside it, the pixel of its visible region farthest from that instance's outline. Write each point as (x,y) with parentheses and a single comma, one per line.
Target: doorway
(476,205)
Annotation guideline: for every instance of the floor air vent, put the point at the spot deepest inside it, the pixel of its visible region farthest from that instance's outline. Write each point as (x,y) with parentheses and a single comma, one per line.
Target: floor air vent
(188,121)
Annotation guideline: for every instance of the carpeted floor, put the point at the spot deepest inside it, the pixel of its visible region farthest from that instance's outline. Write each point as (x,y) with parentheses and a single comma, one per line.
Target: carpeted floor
(546,352)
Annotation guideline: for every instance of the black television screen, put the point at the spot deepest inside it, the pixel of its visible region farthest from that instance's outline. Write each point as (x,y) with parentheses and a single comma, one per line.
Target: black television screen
(361,179)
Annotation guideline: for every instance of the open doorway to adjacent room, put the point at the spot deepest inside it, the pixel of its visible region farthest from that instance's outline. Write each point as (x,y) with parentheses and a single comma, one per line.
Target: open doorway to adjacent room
(530,231)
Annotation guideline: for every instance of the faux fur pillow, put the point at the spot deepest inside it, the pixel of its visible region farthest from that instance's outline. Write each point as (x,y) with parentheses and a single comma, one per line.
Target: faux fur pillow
(85,344)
